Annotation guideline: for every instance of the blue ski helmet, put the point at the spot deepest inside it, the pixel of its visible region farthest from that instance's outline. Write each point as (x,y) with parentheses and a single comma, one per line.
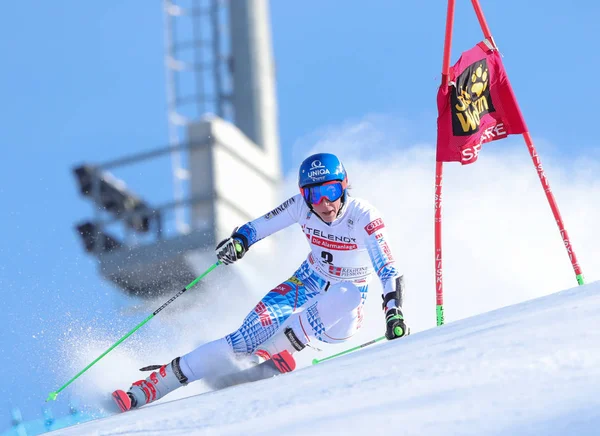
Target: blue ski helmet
(322,168)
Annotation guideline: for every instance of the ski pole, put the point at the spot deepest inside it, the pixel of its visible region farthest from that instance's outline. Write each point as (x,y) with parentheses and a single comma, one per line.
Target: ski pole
(398,330)
(54,394)
(366,344)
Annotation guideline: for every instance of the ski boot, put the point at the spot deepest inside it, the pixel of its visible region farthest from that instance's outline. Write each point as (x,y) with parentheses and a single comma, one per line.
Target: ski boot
(168,378)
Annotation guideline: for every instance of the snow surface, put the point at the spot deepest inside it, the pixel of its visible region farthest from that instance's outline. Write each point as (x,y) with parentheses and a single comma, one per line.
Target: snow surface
(528,369)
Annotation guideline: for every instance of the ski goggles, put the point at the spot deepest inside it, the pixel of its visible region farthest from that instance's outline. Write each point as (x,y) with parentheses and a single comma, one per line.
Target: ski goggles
(329,190)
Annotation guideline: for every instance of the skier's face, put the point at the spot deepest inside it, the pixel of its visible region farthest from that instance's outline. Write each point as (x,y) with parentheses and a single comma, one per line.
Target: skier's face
(328,210)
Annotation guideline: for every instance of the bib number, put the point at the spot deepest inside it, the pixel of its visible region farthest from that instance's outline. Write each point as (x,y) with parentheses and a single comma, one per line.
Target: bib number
(327,257)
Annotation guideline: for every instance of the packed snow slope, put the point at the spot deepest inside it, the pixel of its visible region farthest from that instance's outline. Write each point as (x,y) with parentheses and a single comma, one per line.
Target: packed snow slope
(528,369)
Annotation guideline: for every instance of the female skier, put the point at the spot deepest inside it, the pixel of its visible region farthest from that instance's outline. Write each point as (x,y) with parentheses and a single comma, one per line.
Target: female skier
(322,300)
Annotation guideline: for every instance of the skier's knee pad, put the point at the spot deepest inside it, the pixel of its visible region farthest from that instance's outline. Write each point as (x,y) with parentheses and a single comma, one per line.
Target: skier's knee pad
(339,300)
(336,315)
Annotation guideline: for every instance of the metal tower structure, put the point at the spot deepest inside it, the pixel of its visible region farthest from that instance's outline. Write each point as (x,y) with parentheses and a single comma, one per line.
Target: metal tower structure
(222,117)
(198,75)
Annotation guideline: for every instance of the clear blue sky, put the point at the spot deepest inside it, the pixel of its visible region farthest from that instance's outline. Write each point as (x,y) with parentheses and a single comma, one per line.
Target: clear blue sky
(84,81)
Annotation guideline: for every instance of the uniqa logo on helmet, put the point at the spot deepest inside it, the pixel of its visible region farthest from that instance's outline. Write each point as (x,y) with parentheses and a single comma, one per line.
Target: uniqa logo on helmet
(317,170)
(318,173)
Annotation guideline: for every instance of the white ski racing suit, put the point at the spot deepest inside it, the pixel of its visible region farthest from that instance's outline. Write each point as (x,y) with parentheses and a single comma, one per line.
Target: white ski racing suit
(328,290)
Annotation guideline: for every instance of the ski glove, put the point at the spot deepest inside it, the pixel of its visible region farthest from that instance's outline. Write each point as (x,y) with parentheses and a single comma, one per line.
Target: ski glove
(229,250)
(395,326)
